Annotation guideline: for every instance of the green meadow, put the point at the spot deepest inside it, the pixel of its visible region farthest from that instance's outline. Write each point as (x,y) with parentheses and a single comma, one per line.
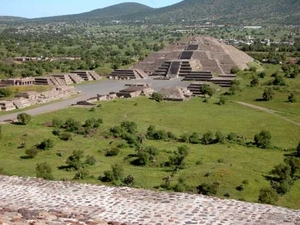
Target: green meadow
(228,164)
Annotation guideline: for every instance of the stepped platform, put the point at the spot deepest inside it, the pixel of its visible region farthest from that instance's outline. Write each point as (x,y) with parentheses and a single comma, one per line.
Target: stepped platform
(65,78)
(195,88)
(132,206)
(127,74)
(75,78)
(198,76)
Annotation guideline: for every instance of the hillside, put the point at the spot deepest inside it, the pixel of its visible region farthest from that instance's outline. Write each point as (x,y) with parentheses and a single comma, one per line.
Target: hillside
(233,11)
(10,18)
(225,11)
(115,11)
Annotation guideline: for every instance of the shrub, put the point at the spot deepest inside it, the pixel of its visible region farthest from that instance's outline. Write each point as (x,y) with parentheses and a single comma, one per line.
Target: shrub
(292,98)
(222,100)
(43,170)
(208,189)
(5,92)
(24,118)
(254,81)
(57,123)
(75,160)
(253,69)
(56,132)
(31,152)
(72,125)
(207,138)
(82,174)
(262,74)
(90,160)
(234,70)
(129,180)
(107,176)
(160,135)
(263,139)
(267,196)
(278,80)
(129,127)
(232,137)
(240,187)
(195,138)
(157,97)
(150,132)
(112,151)
(46,144)
(220,138)
(65,136)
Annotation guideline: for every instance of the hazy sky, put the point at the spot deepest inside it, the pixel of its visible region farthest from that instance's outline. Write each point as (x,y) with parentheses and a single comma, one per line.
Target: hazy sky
(43,8)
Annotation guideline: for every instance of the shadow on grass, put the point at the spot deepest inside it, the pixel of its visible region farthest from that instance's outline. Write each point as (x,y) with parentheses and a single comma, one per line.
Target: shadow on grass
(26,157)
(260,100)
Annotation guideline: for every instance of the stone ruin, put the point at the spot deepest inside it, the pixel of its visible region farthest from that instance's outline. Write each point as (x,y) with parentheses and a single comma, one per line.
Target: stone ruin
(175,94)
(35,201)
(30,98)
(56,79)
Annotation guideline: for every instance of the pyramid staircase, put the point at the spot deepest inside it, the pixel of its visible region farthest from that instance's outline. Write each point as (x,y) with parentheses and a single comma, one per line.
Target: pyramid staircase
(128,74)
(75,78)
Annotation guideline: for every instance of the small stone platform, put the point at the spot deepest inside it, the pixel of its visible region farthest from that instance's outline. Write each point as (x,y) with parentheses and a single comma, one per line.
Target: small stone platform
(136,206)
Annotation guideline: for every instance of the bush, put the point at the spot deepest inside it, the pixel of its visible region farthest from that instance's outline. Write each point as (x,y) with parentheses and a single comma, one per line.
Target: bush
(112,151)
(263,139)
(57,123)
(268,94)
(90,160)
(278,80)
(5,92)
(220,138)
(240,187)
(157,97)
(46,144)
(129,180)
(43,170)
(292,98)
(160,135)
(31,152)
(234,70)
(208,189)
(222,100)
(82,174)
(65,136)
(72,126)
(262,74)
(268,196)
(24,118)
(75,160)
(232,137)
(129,127)
(195,138)
(207,138)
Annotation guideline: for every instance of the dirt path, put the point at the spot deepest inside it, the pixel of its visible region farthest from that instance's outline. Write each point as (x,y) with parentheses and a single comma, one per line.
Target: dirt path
(270,111)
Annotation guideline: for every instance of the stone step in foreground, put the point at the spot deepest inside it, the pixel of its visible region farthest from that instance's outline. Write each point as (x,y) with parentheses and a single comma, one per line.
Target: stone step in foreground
(135,206)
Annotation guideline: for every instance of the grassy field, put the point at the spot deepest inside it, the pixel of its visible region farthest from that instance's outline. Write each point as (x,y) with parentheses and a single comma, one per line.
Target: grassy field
(229,164)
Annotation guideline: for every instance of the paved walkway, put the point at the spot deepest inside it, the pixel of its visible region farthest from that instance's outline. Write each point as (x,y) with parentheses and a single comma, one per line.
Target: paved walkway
(137,206)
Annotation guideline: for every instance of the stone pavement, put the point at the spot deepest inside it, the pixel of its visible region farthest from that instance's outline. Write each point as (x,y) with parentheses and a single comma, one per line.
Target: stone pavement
(136,206)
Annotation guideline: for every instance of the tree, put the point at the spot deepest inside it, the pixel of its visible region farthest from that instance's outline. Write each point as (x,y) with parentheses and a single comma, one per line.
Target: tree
(234,70)
(82,174)
(157,97)
(150,132)
(220,138)
(254,81)
(24,118)
(278,80)
(5,92)
(222,100)
(292,98)
(207,138)
(268,196)
(206,89)
(31,152)
(129,127)
(43,170)
(177,160)
(46,144)
(263,139)
(268,94)
(75,160)
(298,150)
(283,171)
(208,189)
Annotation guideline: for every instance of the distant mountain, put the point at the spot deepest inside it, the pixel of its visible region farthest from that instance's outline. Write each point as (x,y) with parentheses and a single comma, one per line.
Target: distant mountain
(231,11)
(10,18)
(115,11)
(193,11)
